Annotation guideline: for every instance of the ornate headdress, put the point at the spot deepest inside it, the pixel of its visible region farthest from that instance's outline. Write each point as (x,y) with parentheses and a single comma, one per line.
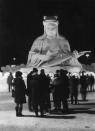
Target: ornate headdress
(50,18)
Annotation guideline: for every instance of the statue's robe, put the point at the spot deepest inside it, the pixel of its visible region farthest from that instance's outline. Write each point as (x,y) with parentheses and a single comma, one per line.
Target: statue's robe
(58,48)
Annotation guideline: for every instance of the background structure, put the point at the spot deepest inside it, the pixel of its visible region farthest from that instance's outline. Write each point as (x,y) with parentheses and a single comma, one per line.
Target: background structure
(21,23)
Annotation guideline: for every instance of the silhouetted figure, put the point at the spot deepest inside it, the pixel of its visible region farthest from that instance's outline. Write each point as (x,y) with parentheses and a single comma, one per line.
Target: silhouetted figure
(9,81)
(20,92)
(64,90)
(84,84)
(92,83)
(29,91)
(36,92)
(74,89)
(44,92)
(56,93)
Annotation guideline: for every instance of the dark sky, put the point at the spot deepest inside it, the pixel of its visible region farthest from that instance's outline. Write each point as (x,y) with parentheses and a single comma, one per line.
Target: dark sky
(21,23)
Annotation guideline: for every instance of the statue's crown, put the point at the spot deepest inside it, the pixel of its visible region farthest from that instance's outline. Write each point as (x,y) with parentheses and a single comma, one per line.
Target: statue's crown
(50,18)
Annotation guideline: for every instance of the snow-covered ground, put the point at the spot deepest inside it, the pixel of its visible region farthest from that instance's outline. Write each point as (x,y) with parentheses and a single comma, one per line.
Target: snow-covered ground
(80,118)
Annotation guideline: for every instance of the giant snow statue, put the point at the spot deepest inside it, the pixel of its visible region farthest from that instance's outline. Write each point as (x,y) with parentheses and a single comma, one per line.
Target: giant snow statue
(52,51)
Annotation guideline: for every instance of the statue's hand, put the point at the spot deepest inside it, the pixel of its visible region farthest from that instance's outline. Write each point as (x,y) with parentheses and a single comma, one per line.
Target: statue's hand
(49,55)
(75,54)
(45,57)
(41,57)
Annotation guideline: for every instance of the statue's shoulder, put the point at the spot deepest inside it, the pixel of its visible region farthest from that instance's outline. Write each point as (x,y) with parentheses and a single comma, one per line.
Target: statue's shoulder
(60,37)
(40,38)
(38,41)
(64,42)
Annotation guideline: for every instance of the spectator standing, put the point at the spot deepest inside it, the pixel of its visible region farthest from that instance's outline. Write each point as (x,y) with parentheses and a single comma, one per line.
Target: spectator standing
(9,81)
(20,92)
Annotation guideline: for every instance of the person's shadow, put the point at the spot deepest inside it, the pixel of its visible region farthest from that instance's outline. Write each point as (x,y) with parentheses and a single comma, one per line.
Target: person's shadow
(53,116)
(86,107)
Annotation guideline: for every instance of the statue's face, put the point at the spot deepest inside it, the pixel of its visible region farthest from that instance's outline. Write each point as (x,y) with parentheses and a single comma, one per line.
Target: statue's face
(51,28)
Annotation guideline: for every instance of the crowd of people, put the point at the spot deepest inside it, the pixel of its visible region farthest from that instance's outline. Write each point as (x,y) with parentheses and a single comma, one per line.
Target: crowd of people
(40,87)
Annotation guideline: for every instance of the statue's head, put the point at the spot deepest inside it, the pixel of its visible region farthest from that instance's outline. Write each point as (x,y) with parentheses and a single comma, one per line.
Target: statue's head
(51,25)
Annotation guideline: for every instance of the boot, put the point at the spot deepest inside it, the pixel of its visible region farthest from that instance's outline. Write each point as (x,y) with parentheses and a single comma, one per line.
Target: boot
(42,113)
(20,111)
(36,113)
(17,111)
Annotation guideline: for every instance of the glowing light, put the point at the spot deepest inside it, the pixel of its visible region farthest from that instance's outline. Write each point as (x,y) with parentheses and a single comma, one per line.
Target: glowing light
(74,69)
(51,74)
(87,55)
(14,58)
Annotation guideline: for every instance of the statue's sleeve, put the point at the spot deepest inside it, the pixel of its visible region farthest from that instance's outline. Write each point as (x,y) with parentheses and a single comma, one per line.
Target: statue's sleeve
(65,46)
(36,48)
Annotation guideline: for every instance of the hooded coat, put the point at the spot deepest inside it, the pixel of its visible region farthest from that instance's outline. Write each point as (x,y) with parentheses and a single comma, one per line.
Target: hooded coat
(20,90)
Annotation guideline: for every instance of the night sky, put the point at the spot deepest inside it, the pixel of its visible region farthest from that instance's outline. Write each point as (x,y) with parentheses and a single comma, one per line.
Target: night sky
(21,23)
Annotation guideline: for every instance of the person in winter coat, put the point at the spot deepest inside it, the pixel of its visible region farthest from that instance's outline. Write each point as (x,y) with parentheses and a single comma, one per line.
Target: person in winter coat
(56,92)
(84,85)
(44,91)
(74,80)
(20,92)
(35,95)
(64,90)
(29,91)
(9,81)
